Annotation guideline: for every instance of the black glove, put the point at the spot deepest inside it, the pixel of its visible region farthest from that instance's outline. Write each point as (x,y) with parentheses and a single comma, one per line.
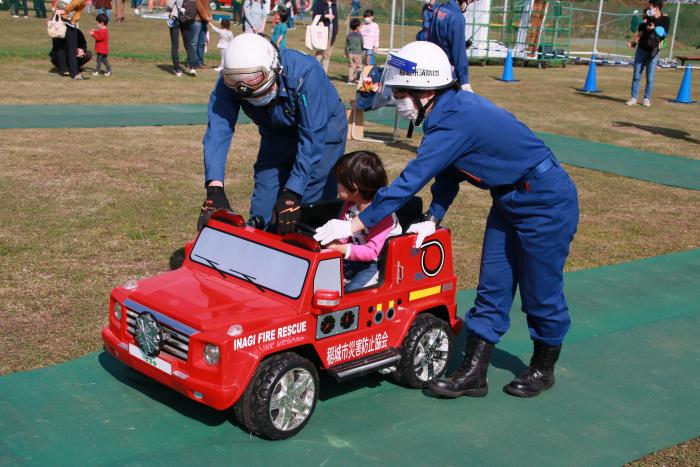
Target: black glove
(216,199)
(287,211)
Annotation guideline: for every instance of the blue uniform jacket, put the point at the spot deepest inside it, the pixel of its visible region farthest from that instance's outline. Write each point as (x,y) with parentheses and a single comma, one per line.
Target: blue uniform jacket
(447,31)
(307,115)
(466,137)
(427,15)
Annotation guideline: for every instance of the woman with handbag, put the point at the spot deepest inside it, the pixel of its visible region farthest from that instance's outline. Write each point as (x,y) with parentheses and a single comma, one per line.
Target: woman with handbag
(254,16)
(328,11)
(67,48)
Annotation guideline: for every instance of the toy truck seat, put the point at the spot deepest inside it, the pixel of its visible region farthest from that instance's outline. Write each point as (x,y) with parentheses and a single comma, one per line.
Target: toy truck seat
(317,214)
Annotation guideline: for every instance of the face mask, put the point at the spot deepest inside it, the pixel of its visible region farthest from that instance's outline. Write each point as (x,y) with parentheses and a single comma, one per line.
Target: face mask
(406,109)
(262,100)
(368,20)
(651,11)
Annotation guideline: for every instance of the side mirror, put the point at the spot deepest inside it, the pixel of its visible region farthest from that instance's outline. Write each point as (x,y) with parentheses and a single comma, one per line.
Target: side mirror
(326,299)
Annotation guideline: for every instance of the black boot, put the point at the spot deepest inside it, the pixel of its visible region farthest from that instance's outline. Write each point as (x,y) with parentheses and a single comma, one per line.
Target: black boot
(539,375)
(470,379)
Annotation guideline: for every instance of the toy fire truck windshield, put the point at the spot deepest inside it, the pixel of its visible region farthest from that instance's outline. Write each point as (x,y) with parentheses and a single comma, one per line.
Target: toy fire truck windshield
(272,269)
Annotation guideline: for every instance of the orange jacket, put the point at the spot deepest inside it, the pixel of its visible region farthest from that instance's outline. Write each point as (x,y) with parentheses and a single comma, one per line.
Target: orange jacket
(203,13)
(76,6)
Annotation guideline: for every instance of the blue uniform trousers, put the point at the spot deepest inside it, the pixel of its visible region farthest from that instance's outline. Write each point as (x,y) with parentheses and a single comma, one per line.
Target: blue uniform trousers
(273,166)
(526,243)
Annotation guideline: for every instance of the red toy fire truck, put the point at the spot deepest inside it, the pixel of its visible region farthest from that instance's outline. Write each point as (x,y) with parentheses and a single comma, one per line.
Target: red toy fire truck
(251,317)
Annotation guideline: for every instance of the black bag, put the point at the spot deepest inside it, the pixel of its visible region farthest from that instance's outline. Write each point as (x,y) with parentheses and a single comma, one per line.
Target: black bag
(188,12)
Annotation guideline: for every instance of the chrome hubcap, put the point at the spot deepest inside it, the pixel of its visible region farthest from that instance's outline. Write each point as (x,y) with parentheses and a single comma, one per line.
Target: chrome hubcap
(292,399)
(432,353)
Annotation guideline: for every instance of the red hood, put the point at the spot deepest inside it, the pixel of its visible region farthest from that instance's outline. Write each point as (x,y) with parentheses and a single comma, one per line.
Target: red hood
(207,301)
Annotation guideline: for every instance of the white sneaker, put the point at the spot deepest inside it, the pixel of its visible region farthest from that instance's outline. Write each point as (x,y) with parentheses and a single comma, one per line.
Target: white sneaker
(646,102)
(193,72)
(95,73)
(15,16)
(108,74)
(218,69)
(631,101)
(178,73)
(136,11)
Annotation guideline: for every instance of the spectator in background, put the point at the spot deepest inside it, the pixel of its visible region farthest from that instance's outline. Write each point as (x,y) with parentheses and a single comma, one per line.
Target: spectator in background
(135,4)
(71,15)
(225,37)
(16,4)
(328,10)
(237,11)
(104,7)
(40,8)
(370,37)
(355,8)
(427,17)
(650,33)
(254,16)
(101,36)
(176,29)
(353,51)
(119,4)
(59,57)
(279,33)
(199,32)
(290,6)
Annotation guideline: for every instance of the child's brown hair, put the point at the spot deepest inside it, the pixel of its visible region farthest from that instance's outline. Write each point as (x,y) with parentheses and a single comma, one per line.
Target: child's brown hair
(361,171)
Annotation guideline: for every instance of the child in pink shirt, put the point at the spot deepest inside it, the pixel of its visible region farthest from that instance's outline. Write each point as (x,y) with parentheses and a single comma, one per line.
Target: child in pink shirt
(360,175)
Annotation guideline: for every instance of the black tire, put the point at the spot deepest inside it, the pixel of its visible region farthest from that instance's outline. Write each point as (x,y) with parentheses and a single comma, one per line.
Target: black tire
(254,410)
(407,373)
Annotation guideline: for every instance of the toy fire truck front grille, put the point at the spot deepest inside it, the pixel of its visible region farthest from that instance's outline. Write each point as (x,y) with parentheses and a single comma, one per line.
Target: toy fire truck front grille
(176,343)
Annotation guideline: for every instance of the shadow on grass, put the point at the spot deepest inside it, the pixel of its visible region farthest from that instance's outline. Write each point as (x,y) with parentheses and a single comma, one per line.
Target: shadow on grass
(177,258)
(602,97)
(662,131)
(166,68)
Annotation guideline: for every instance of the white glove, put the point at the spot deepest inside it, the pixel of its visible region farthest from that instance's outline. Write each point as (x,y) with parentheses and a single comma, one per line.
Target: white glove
(332,230)
(423,229)
(467,87)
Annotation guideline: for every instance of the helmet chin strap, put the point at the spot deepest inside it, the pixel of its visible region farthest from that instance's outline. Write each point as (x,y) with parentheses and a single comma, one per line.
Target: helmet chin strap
(422,109)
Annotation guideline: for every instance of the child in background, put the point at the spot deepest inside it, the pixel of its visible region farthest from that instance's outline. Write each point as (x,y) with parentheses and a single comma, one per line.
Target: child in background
(360,174)
(101,36)
(225,37)
(370,37)
(353,51)
(279,33)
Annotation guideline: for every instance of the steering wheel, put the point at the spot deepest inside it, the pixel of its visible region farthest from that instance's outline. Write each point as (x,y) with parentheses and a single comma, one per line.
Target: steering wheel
(305,229)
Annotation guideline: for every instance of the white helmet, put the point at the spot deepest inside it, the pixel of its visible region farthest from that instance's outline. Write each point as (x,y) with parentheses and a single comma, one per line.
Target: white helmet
(419,65)
(251,65)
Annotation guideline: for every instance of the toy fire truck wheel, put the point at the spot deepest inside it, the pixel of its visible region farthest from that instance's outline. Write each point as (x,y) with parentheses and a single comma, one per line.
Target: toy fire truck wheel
(425,352)
(280,398)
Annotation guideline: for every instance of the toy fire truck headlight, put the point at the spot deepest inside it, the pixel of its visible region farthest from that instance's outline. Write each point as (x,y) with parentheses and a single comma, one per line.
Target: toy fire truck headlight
(118,311)
(211,354)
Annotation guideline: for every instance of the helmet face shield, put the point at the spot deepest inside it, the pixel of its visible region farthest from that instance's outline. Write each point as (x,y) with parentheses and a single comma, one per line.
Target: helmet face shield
(248,82)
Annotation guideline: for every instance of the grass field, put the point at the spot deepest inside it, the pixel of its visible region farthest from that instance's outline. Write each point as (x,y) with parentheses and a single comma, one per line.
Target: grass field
(87,209)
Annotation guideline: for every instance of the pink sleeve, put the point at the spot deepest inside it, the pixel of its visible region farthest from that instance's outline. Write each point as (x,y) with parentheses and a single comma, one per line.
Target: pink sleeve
(375,241)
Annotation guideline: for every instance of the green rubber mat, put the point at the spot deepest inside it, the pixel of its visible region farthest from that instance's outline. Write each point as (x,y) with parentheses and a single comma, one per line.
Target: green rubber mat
(649,166)
(628,384)
(658,168)
(94,116)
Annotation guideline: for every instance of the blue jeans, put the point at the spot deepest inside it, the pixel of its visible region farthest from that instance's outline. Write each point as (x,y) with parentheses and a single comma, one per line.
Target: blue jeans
(290,21)
(643,59)
(199,39)
(107,12)
(360,274)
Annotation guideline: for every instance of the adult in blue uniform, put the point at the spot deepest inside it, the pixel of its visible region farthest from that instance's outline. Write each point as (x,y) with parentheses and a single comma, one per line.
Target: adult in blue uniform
(529,228)
(301,121)
(447,31)
(427,18)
